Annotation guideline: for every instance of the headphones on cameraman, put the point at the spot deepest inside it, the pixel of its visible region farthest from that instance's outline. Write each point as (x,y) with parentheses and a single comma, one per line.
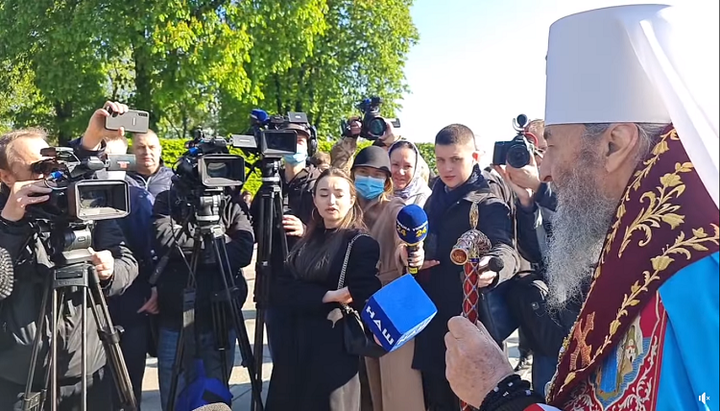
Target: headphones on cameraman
(312,142)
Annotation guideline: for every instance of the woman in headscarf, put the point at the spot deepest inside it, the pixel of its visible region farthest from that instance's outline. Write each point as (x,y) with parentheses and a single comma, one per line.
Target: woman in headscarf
(406,167)
(394,385)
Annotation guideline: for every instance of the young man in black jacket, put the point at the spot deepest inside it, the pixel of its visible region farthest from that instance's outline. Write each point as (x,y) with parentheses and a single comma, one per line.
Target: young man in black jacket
(461,183)
(19,235)
(174,224)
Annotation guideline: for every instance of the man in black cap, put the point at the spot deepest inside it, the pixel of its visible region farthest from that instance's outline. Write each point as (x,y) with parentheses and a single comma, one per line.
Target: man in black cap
(297,179)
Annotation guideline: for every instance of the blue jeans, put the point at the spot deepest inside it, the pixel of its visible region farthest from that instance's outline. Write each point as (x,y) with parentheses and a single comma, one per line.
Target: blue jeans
(543,369)
(167,346)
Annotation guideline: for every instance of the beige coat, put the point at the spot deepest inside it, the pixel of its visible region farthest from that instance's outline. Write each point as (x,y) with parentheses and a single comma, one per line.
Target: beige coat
(394,385)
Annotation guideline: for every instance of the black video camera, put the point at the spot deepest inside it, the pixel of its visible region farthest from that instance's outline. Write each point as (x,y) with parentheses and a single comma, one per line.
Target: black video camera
(208,163)
(76,194)
(272,137)
(516,152)
(373,126)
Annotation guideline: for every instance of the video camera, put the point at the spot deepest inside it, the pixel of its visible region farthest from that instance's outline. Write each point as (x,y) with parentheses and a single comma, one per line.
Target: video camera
(516,152)
(271,137)
(208,163)
(373,125)
(76,195)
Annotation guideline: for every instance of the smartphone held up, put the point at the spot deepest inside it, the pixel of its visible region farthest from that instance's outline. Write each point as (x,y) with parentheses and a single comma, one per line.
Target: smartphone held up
(133,121)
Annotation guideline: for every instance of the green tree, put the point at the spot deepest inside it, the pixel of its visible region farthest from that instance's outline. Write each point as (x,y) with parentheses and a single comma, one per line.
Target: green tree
(321,57)
(59,42)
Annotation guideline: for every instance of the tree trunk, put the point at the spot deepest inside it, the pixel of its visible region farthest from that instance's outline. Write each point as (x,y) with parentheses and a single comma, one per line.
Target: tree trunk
(63,115)
(143,80)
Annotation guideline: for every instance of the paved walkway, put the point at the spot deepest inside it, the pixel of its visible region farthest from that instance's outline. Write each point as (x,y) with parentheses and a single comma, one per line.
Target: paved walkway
(239,381)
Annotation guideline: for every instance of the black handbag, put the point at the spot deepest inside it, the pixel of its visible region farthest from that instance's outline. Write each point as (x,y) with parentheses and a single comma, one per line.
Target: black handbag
(357,337)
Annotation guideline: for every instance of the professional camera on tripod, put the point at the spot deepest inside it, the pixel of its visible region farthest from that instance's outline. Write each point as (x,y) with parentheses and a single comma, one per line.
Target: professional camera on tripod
(516,152)
(373,126)
(270,139)
(204,175)
(66,222)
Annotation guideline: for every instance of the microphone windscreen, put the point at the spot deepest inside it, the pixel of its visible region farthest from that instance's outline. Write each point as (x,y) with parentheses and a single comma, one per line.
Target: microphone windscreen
(398,312)
(496,264)
(214,407)
(412,224)
(6,274)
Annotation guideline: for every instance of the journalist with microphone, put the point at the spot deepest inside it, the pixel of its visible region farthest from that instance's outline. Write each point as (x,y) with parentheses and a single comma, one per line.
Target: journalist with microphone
(392,381)
(22,191)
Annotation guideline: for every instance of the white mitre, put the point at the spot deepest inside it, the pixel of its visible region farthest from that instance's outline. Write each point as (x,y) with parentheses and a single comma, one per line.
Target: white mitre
(640,64)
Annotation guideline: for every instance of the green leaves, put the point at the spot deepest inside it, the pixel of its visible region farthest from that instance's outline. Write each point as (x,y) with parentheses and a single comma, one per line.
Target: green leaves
(200,63)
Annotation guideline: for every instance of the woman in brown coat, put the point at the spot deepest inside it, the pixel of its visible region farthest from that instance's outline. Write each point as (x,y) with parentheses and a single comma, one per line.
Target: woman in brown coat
(394,385)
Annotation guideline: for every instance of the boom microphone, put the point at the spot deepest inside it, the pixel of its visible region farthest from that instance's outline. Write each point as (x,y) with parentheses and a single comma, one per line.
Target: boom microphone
(6,274)
(412,228)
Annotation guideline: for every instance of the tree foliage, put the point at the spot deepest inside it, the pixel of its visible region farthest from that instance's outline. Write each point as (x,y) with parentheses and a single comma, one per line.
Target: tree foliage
(199,63)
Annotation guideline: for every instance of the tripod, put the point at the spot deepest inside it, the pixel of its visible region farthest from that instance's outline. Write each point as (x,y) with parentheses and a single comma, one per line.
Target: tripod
(75,272)
(210,234)
(271,207)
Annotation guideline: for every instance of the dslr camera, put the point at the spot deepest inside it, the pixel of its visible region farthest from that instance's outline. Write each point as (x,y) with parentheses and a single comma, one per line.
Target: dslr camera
(75,194)
(516,152)
(373,126)
(268,136)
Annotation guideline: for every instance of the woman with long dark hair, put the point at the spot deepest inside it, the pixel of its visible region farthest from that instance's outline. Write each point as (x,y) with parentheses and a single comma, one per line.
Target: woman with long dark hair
(313,372)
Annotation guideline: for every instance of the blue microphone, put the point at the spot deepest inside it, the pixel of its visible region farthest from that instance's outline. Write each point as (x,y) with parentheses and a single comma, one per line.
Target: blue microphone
(398,312)
(412,228)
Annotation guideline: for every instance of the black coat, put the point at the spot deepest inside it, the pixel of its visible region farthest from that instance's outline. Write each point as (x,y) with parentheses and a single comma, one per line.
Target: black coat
(20,311)
(173,280)
(448,219)
(312,362)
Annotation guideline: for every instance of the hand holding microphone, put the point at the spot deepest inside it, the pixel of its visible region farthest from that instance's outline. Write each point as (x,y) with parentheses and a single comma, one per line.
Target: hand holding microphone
(412,228)
(488,269)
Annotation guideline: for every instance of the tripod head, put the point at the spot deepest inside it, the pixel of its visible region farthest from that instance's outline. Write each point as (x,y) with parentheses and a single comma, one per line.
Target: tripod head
(67,242)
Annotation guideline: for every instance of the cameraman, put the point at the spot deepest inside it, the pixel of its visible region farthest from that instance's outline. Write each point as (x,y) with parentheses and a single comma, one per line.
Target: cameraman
(19,234)
(174,226)
(297,179)
(343,152)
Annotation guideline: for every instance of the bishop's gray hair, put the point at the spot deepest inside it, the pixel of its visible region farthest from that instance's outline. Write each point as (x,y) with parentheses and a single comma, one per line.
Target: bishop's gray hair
(583,216)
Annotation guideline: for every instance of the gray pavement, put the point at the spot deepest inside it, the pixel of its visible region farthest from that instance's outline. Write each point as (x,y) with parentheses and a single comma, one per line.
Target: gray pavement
(239,381)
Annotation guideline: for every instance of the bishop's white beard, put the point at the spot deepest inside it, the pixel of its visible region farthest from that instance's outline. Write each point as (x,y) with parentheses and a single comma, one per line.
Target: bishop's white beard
(579,227)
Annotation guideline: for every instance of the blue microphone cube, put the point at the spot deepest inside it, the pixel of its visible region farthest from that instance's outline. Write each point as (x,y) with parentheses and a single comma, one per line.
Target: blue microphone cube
(398,312)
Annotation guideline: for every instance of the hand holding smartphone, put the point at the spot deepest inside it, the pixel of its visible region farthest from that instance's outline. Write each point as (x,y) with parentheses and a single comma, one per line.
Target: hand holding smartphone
(133,121)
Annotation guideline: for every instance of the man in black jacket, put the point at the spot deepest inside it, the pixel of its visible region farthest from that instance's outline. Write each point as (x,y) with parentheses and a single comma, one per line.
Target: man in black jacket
(175,225)
(448,208)
(115,266)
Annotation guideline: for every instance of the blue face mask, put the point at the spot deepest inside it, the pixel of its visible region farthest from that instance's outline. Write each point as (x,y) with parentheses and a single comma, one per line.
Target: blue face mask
(369,188)
(298,158)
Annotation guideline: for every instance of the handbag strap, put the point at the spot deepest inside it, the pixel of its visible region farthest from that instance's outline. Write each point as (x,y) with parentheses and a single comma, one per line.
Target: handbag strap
(341,281)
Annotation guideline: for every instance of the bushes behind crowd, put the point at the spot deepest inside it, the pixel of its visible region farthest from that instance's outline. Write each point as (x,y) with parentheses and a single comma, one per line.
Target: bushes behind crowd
(174,148)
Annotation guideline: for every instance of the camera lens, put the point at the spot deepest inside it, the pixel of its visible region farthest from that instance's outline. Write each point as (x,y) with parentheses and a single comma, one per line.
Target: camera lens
(377,126)
(518,156)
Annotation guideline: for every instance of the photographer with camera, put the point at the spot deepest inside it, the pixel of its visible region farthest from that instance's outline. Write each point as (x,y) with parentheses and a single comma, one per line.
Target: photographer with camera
(371,127)
(178,221)
(535,205)
(23,191)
